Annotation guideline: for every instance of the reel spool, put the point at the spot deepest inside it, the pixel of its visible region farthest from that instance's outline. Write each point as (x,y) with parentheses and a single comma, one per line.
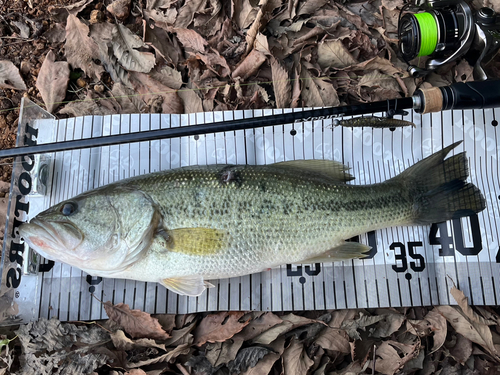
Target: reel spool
(446,30)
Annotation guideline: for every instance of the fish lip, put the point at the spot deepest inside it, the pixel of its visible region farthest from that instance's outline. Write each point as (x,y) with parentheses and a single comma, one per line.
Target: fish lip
(49,232)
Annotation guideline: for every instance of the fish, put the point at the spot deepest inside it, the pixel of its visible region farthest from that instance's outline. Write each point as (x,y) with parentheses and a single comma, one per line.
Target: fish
(373,122)
(186,226)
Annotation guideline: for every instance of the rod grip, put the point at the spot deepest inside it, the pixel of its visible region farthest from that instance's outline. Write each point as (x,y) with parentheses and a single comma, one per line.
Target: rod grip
(431,99)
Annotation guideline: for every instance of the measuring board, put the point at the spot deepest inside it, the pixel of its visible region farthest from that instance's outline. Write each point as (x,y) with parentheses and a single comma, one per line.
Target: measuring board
(409,266)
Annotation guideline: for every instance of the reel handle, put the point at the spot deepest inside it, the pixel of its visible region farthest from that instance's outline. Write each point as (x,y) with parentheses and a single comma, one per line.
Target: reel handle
(468,95)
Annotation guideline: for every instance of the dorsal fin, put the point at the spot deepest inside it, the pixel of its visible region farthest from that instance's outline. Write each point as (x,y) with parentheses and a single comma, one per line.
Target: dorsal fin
(328,168)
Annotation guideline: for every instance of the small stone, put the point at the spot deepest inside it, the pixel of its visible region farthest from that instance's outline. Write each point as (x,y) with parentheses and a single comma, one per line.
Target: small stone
(96,16)
(120,8)
(25,67)
(11,117)
(5,104)
(99,88)
(81,82)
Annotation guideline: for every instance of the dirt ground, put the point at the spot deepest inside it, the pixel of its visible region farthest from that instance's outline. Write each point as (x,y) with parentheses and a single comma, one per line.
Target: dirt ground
(22,52)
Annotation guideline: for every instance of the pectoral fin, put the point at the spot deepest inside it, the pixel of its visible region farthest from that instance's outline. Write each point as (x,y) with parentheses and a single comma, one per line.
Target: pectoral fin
(345,251)
(194,241)
(191,286)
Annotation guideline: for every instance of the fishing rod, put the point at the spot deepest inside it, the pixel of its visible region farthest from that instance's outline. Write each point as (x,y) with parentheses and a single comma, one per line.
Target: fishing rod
(470,95)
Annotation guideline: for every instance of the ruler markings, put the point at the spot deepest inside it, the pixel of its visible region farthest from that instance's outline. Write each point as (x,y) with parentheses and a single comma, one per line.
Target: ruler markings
(335,285)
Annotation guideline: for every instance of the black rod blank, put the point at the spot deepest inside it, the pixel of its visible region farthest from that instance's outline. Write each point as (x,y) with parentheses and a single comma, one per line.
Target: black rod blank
(215,127)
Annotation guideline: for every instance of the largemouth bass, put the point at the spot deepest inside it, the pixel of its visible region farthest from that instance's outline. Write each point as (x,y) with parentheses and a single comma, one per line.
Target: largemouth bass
(185,226)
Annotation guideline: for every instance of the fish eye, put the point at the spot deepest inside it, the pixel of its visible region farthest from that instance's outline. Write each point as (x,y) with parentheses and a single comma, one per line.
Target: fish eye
(68,208)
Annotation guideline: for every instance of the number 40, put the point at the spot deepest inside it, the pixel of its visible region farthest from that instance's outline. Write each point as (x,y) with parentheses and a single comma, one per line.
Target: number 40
(446,240)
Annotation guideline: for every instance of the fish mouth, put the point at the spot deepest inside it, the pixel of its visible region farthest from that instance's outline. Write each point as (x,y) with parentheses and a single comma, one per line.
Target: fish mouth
(46,237)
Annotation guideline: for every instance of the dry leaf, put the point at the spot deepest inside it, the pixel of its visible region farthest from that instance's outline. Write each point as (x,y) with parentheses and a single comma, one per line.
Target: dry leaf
(261,19)
(438,326)
(168,357)
(191,39)
(392,4)
(281,84)
(136,371)
(24,29)
(295,359)
(316,92)
(388,325)
(333,339)
(122,342)
(60,13)
(126,47)
(310,6)
(10,77)
(247,358)
(187,12)
(352,326)
(181,336)
(46,342)
(162,4)
(263,367)
(391,356)
(218,327)
(462,349)
(464,72)
(289,322)
(136,323)
(128,100)
(88,106)
(221,353)
(474,331)
(383,65)
(244,13)
(55,34)
(375,78)
(101,33)
(168,77)
(80,49)
(149,88)
(258,325)
(191,101)
(463,302)
(163,44)
(52,81)
(333,54)
(249,65)
(120,9)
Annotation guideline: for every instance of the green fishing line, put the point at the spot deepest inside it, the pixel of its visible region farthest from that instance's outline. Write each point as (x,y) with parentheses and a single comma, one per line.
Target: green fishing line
(428,32)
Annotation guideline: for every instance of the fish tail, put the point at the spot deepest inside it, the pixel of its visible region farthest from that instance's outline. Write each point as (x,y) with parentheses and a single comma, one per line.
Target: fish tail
(438,188)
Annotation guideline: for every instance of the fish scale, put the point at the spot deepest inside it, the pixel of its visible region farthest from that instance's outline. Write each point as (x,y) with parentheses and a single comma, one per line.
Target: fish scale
(185,226)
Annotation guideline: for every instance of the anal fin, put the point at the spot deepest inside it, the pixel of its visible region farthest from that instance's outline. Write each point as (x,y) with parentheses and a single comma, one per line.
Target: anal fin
(344,251)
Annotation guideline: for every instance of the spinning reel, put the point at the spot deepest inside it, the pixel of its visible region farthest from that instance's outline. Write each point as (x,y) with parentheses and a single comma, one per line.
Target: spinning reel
(446,30)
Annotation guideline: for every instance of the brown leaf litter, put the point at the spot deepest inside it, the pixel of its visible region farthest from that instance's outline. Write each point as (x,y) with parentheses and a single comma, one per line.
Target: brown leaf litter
(201,55)
(440,340)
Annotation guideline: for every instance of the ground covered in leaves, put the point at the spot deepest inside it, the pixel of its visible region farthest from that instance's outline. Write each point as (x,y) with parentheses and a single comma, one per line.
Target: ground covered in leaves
(442,340)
